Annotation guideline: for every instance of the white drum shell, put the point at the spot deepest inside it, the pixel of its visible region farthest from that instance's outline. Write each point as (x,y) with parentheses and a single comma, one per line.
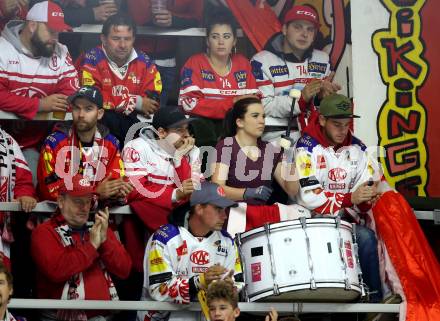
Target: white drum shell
(292,272)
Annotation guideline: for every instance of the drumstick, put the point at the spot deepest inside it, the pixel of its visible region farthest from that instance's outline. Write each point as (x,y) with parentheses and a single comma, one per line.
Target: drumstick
(201,295)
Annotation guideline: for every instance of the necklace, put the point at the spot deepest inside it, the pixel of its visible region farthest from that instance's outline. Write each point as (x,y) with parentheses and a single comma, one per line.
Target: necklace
(221,70)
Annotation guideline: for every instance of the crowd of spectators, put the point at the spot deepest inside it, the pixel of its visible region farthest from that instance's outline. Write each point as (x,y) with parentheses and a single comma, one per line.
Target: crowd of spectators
(128,143)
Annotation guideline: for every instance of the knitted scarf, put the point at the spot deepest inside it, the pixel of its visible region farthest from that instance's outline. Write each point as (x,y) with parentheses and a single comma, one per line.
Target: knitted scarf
(74,287)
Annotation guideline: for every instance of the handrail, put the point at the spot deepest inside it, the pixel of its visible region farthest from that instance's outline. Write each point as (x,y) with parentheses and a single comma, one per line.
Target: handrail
(165,306)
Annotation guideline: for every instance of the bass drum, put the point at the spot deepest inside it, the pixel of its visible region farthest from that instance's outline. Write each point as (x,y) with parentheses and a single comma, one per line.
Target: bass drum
(301,260)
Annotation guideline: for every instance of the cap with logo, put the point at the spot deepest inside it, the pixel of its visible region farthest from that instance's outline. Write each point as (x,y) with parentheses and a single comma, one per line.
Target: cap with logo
(77,185)
(169,117)
(91,93)
(302,13)
(210,193)
(336,106)
(49,13)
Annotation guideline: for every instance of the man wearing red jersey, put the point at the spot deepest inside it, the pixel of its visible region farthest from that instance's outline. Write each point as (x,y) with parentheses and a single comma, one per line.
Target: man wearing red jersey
(85,147)
(128,79)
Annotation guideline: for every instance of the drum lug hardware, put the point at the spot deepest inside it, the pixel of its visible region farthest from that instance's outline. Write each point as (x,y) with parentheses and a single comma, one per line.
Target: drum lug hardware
(347,284)
(313,284)
(303,221)
(338,221)
(292,272)
(287,240)
(276,290)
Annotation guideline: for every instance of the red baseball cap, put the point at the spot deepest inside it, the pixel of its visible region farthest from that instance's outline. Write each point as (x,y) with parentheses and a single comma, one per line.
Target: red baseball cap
(302,13)
(77,185)
(49,13)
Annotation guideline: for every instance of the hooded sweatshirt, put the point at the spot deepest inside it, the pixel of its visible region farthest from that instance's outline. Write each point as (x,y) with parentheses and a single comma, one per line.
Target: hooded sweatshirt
(277,73)
(25,79)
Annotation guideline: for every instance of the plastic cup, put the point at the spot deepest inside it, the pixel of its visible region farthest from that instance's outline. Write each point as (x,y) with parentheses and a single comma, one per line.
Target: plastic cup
(158,5)
(59,115)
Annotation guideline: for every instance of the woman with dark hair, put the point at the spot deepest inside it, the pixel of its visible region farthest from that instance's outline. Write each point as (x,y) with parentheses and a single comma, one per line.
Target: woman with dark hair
(246,166)
(212,82)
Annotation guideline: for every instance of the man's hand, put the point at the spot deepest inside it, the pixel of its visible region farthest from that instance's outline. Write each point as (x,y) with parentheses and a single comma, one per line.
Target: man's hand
(186,146)
(125,188)
(363,193)
(329,87)
(186,189)
(214,273)
(27,203)
(95,235)
(149,106)
(55,102)
(110,187)
(311,89)
(163,18)
(101,218)
(103,11)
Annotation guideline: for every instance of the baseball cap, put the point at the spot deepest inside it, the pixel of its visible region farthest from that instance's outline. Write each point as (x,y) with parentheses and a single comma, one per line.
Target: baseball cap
(302,13)
(169,117)
(91,93)
(336,106)
(210,193)
(77,185)
(49,13)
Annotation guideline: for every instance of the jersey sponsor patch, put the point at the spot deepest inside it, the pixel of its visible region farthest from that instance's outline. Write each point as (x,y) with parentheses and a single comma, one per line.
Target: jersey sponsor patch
(317,67)
(186,78)
(277,71)
(257,69)
(304,165)
(320,162)
(157,263)
(240,76)
(182,250)
(207,75)
(160,278)
(87,79)
(157,82)
(308,181)
(336,186)
(221,250)
(199,269)
(165,233)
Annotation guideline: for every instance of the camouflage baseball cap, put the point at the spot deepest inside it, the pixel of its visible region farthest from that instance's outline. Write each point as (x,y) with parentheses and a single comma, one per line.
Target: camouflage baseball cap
(337,106)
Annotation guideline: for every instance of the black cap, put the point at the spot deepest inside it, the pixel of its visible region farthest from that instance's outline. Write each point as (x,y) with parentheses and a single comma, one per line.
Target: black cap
(169,117)
(91,93)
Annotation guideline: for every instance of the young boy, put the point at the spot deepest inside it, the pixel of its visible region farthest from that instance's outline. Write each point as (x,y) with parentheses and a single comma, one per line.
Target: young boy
(222,300)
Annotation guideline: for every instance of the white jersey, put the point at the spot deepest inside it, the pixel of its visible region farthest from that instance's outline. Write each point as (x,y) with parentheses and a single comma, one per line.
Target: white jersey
(327,177)
(173,262)
(276,76)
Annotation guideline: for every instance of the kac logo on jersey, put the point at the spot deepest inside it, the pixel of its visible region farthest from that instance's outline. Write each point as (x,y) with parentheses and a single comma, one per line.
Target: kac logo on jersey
(337,174)
(277,71)
(200,257)
(207,75)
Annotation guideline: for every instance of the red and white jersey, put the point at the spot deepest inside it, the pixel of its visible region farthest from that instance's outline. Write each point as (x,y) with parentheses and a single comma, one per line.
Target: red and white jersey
(122,88)
(25,79)
(155,173)
(276,77)
(205,93)
(327,177)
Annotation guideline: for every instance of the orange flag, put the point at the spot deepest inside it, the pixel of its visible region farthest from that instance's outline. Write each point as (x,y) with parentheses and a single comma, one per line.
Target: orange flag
(411,255)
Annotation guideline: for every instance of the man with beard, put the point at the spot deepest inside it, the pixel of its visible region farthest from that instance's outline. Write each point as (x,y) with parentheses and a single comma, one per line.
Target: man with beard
(128,79)
(84,147)
(36,73)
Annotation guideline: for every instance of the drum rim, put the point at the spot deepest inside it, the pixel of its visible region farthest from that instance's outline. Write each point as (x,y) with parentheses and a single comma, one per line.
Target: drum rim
(296,223)
(355,287)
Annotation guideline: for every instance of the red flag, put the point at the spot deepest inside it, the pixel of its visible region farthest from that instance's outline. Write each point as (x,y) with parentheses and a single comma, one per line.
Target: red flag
(411,255)
(258,21)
